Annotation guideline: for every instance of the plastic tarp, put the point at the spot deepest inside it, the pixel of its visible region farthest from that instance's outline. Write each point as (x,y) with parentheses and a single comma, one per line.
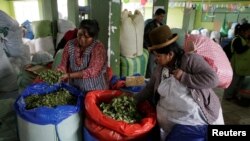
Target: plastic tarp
(47,115)
(28,30)
(109,125)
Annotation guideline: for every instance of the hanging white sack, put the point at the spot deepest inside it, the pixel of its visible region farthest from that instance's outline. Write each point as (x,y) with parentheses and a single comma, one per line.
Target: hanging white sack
(60,123)
(127,36)
(139,31)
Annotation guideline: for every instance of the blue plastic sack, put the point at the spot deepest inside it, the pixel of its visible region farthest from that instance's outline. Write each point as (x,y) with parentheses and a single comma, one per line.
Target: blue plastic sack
(28,33)
(47,115)
(188,133)
(87,136)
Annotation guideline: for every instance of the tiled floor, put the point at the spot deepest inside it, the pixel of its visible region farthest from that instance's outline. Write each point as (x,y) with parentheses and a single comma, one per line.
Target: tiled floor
(232,112)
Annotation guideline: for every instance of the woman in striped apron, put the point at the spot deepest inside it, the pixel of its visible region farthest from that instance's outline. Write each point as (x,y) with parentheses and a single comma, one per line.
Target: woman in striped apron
(84,60)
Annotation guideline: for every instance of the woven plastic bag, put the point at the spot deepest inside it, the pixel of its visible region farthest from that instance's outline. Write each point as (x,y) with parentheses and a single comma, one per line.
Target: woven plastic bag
(46,115)
(213,54)
(121,129)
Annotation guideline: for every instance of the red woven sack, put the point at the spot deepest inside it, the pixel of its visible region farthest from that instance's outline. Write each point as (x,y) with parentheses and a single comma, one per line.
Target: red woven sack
(94,98)
(104,134)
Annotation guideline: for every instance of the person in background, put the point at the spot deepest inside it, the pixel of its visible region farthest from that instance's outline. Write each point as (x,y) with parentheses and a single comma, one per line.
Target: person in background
(240,58)
(84,60)
(181,89)
(155,22)
(69,35)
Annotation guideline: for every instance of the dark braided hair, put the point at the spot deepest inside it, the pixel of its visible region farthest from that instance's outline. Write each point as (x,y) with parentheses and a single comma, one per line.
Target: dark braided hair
(178,53)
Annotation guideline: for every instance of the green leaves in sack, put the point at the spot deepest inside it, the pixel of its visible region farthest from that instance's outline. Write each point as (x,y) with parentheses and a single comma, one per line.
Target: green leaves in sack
(61,97)
(121,108)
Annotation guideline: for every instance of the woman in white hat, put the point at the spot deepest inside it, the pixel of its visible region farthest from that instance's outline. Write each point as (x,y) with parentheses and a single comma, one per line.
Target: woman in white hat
(181,90)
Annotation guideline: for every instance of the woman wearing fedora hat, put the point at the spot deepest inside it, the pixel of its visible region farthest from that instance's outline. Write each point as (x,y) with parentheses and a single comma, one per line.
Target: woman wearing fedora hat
(181,90)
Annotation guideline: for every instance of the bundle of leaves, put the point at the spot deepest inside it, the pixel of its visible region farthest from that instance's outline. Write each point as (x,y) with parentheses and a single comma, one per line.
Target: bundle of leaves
(122,108)
(61,97)
(50,76)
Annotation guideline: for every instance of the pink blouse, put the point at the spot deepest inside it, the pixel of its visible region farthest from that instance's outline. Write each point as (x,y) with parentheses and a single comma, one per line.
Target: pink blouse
(97,61)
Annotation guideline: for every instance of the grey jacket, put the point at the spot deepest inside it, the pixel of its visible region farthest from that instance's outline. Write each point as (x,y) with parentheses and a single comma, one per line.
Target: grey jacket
(199,77)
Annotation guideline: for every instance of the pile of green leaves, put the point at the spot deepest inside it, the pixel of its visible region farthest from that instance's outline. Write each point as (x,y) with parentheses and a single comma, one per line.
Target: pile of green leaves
(121,108)
(61,97)
(50,76)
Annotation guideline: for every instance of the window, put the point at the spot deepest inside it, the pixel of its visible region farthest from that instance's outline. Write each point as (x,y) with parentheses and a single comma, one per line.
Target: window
(219,14)
(62,9)
(26,10)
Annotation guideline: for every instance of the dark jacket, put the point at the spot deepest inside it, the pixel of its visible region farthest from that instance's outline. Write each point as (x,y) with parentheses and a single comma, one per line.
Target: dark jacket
(148,28)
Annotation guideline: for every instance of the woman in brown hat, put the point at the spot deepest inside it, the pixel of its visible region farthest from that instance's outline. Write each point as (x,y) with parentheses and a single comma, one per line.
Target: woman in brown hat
(181,90)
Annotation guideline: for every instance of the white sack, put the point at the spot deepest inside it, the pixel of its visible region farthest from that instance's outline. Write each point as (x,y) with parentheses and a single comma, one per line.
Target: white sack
(65,25)
(68,130)
(30,44)
(128,36)
(41,58)
(45,44)
(139,31)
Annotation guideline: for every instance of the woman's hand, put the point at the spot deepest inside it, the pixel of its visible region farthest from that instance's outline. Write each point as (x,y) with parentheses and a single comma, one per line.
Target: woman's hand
(65,77)
(177,73)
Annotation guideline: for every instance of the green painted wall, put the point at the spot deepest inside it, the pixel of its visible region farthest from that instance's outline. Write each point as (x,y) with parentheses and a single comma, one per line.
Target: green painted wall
(7,7)
(162,3)
(73,12)
(209,25)
(173,20)
(109,29)
(115,37)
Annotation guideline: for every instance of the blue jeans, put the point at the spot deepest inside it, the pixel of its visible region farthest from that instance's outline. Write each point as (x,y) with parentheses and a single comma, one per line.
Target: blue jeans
(188,133)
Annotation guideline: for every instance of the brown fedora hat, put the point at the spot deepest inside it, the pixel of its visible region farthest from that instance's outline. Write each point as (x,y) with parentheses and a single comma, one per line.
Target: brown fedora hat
(161,37)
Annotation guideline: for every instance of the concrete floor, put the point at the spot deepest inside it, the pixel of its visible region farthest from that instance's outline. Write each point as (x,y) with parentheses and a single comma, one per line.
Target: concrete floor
(232,112)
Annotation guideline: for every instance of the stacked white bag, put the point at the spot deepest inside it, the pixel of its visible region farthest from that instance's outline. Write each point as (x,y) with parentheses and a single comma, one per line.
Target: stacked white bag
(14,55)
(63,27)
(131,34)
(45,44)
